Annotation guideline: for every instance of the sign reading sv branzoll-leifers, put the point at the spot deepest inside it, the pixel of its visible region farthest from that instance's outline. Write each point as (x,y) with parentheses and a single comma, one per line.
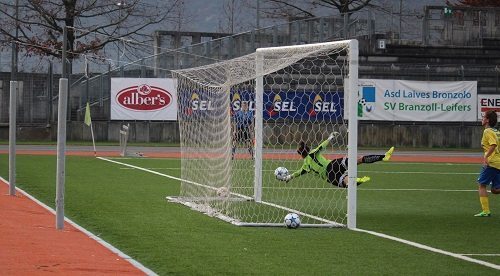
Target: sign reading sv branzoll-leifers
(402,100)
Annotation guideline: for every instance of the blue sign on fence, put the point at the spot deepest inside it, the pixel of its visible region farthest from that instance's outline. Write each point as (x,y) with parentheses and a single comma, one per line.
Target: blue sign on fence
(308,106)
(294,105)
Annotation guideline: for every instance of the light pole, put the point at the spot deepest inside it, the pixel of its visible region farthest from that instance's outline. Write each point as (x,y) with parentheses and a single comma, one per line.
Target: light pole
(121,4)
(13,69)
(400,14)
(258,15)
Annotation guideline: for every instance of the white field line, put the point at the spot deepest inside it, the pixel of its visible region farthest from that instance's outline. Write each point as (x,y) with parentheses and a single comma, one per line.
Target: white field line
(429,163)
(326,188)
(380,163)
(437,173)
(494,255)
(169,176)
(210,187)
(432,249)
(420,190)
(445,173)
(359,189)
(110,247)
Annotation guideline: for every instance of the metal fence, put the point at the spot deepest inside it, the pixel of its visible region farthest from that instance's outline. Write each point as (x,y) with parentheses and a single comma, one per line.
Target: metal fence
(461,26)
(35,98)
(38,92)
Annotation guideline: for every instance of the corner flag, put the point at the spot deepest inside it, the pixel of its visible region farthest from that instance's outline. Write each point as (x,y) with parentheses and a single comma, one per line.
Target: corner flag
(87,120)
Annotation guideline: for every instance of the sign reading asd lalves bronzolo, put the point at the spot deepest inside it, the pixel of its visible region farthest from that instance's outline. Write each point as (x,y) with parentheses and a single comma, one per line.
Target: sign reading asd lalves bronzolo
(402,100)
(143,99)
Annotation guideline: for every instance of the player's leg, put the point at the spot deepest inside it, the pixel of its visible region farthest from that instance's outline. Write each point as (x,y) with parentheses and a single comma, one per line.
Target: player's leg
(337,173)
(495,184)
(377,157)
(359,180)
(371,158)
(486,176)
(236,140)
(248,142)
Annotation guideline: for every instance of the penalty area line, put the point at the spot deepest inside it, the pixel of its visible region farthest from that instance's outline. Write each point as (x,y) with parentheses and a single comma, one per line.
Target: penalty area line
(429,248)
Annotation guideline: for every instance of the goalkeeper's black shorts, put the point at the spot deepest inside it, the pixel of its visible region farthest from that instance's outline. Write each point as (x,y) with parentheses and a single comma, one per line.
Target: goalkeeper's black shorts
(336,171)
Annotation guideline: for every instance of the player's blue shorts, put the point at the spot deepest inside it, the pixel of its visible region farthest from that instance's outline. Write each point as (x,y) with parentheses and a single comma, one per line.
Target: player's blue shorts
(489,175)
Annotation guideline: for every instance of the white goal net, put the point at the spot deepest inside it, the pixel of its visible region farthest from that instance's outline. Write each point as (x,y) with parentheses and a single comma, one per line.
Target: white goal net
(241,119)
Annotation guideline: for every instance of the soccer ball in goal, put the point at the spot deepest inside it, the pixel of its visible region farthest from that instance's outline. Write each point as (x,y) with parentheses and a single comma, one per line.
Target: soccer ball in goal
(280,173)
(240,119)
(222,192)
(292,221)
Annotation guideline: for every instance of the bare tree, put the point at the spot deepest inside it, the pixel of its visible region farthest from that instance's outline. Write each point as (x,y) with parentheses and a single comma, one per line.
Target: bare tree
(284,9)
(293,9)
(230,18)
(474,3)
(343,6)
(92,24)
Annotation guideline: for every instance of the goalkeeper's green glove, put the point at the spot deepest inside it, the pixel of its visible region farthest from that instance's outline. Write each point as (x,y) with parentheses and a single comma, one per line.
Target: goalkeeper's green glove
(333,135)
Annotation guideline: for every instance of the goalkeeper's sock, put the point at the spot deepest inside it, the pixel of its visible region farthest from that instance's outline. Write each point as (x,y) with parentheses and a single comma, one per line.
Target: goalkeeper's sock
(485,204)
(372,158)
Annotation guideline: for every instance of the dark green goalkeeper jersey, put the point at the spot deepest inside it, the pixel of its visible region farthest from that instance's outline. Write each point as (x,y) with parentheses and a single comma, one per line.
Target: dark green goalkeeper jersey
(315,162)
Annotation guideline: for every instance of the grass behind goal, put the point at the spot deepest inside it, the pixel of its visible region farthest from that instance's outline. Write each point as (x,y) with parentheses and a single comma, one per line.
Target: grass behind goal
(431,204)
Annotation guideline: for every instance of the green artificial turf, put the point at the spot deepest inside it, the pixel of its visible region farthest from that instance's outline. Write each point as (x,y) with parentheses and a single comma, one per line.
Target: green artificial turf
(127,208)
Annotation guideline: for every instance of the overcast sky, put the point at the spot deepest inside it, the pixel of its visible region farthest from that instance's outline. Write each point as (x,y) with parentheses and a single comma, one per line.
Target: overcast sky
(207,14)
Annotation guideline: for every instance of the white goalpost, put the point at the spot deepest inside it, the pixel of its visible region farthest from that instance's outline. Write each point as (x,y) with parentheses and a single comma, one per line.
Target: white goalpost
(294,94)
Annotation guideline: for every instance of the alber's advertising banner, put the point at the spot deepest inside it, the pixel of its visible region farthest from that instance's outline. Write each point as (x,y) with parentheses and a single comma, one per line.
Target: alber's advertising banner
(143,99)
(402,100)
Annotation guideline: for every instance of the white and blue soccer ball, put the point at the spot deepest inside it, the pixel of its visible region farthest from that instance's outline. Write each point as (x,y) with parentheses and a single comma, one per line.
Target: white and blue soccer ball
(280,172)
(292,220)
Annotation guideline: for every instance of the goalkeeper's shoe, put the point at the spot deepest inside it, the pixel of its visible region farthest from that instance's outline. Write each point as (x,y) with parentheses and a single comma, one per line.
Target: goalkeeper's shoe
(483,214)
(388,154)
(361,180)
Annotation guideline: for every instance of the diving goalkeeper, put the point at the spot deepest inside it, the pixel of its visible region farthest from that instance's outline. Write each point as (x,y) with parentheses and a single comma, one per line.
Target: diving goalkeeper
(334,171)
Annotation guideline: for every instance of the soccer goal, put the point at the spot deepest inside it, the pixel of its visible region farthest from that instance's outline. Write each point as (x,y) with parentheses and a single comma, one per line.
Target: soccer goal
(296,93)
